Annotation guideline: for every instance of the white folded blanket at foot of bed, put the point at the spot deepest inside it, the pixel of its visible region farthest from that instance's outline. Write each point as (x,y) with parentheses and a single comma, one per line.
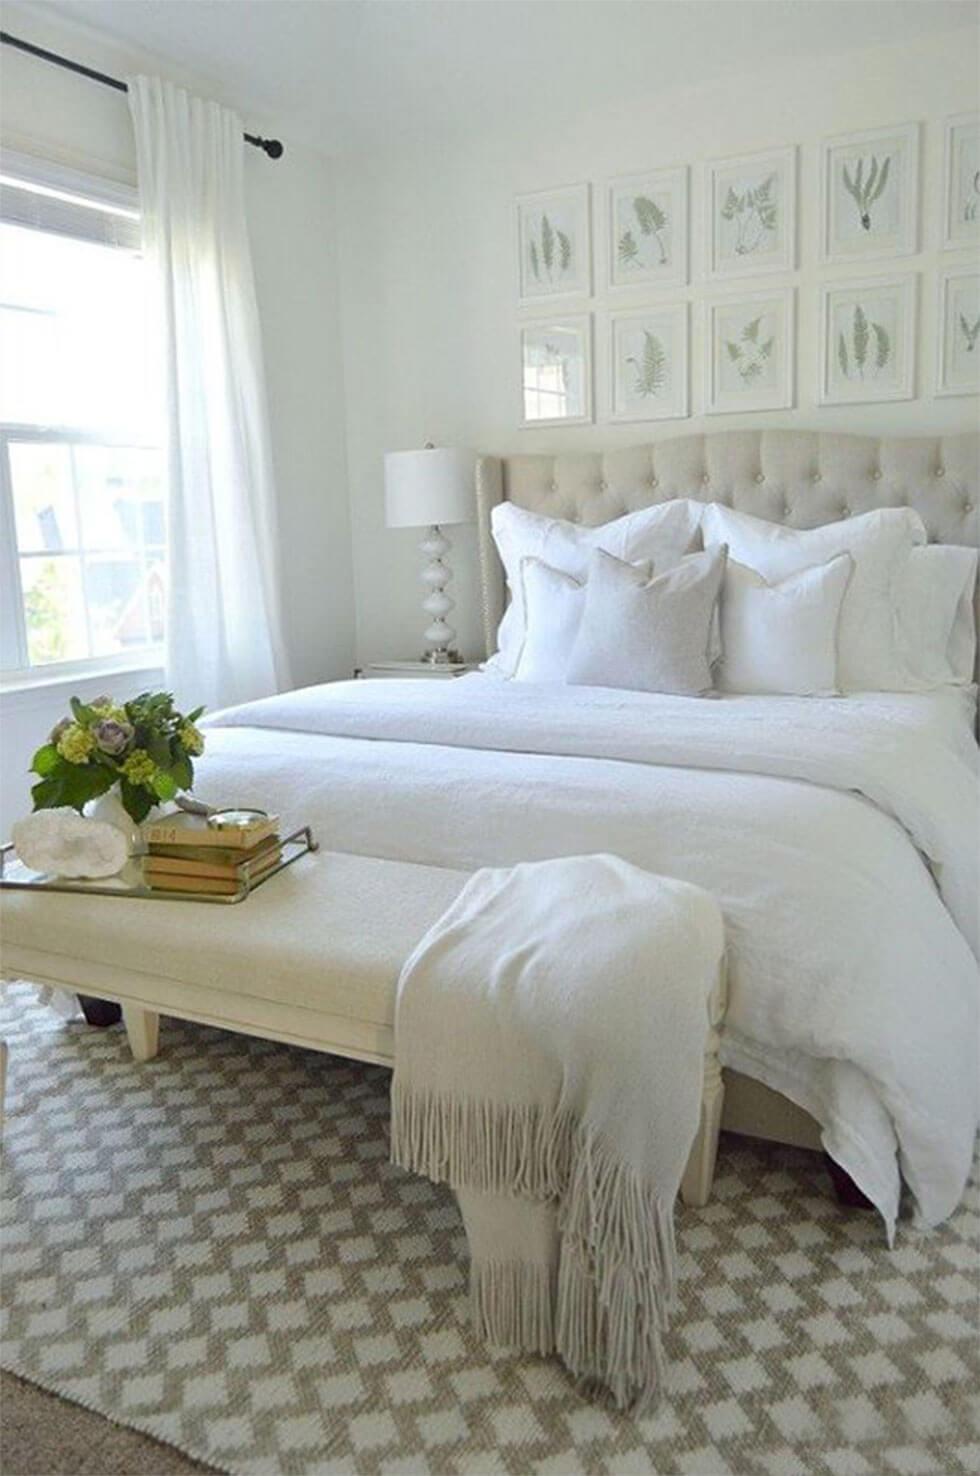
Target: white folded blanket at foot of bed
(549,1044)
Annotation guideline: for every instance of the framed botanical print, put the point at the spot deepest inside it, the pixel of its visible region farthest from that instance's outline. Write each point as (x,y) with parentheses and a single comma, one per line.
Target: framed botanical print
(648,363)
(961,182)
(554,244)
(870,188)
(647,244)
(959,334)
(750,226)
(556,371)
(749,345)
(867,340)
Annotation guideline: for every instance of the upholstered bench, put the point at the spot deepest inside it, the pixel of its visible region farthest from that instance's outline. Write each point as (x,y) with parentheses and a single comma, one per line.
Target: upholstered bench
(312,958)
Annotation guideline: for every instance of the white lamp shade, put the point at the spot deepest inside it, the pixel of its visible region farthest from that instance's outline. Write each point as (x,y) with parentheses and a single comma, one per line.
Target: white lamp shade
(431,486)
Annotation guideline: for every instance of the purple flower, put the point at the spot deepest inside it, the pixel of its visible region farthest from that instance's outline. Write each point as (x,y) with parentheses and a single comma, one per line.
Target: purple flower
(112,737)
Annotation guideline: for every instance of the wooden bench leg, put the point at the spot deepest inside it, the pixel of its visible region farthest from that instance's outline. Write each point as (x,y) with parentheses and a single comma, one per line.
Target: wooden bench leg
(143,1031)
(700,1171)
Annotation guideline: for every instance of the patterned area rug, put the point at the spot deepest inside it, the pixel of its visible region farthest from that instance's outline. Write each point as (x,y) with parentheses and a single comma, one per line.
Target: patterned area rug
(213,1248)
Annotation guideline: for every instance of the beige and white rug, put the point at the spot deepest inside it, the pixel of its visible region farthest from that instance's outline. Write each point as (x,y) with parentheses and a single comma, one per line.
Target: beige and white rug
(213,1248)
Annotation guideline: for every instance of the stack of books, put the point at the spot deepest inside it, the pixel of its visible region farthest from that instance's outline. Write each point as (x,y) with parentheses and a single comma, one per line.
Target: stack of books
(185,854)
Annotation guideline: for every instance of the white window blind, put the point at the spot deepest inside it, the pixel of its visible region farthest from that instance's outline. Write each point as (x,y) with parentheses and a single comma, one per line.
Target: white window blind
(46,196)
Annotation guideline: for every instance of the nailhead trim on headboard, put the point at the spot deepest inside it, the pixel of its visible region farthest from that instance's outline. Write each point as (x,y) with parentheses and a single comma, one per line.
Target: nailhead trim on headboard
(800,478)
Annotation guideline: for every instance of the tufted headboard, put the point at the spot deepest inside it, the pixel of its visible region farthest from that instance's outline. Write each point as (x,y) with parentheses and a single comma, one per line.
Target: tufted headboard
(800,478)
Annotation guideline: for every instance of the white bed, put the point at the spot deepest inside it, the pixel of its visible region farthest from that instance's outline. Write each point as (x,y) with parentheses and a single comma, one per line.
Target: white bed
(839,835)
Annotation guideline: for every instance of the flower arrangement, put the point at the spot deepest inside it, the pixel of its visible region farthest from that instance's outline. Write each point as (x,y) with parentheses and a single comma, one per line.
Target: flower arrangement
(145,746)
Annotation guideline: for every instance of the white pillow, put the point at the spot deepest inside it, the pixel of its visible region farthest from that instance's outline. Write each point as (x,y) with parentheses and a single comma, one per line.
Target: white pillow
(880,543)
(661,534)
(782,637)
(648,635)
(553,604)
(937,629)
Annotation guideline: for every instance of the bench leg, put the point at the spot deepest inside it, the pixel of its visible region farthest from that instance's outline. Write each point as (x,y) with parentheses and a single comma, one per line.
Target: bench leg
(700,1171)
(143,1031)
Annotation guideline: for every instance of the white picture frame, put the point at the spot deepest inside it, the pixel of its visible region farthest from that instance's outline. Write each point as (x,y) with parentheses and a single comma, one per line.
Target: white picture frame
(750,352)
(648,363)
(958,344)
(961,182)
(750,214)
(870,194)
(647,229)
(867,340)
(554,244)
(556,370)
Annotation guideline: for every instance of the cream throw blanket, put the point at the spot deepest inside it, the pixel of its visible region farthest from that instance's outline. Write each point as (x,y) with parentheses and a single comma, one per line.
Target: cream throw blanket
(549,1040)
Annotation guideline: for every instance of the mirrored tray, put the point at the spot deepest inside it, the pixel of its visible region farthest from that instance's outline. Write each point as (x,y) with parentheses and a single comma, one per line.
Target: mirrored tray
(130,882)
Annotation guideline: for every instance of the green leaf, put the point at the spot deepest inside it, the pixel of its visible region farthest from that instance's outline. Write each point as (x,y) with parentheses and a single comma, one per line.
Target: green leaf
(731,206)
(182,771)
(882,181)
(842,358)
(649,215)
(860,336)
(164,785)
(765,349)
(547,243)
(73,786)
(652,373)
(158,748)
(535,265)
(734,352)
(137,801)
(849,184)
(883,346)
(46,760)
(564,251)
(628,249)
(192,717)
(82,714)
(751,330)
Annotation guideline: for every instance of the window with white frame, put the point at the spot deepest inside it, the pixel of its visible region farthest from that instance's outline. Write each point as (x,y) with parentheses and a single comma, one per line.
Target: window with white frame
(82,527)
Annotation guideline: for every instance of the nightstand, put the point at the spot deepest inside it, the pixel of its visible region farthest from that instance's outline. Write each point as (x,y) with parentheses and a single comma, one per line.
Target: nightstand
(409,670)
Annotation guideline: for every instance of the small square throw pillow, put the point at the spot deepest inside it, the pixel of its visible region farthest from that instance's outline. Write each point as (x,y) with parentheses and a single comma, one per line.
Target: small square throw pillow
(648,635)
(782,637)
(553,605)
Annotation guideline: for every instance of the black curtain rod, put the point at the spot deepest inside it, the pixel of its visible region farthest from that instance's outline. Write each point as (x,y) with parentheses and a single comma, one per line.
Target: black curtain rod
(270,146)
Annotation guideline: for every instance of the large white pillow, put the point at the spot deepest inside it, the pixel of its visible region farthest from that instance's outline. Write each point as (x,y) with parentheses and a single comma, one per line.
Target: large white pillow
(936,623)
(880,544)
(661,534)
(648,635)
(782,637)
(553,605)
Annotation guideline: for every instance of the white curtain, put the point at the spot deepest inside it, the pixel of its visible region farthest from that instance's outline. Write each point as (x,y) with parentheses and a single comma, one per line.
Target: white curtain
(224,623)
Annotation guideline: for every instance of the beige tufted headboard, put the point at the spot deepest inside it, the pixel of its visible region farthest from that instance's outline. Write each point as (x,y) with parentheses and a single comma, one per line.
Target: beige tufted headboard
(801,478)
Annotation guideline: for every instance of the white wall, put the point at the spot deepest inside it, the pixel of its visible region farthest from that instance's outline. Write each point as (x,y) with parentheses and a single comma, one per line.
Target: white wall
(291,218)
(429,298)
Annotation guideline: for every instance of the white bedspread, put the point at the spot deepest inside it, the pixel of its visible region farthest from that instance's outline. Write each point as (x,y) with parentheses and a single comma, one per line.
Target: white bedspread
(852,988)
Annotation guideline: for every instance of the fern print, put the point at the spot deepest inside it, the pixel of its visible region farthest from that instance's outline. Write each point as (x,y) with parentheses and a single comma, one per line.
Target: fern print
(753,214)
(748,352)
(970,333)
(866,189)
(652,220)
(855,356)
(972,201)
(550,252)
(628,251)
(651,370)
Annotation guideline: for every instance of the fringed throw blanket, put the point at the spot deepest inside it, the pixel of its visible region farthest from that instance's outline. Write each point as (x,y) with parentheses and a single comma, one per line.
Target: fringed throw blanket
(549,1039)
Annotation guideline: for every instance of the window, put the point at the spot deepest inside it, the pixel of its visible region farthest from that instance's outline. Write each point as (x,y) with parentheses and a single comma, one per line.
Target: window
(82,535)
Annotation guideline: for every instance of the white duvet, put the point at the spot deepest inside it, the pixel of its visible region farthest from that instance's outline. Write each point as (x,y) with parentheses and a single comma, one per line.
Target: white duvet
(839,836)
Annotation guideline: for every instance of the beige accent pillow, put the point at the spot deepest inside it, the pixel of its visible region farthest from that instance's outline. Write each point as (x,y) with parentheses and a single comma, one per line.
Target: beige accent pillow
(648,635)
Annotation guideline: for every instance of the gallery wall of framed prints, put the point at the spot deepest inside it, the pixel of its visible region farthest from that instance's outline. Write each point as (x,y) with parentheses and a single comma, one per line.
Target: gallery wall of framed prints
(677,291)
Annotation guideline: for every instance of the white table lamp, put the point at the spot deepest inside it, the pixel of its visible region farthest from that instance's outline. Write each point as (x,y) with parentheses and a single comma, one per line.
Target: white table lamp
(427,489)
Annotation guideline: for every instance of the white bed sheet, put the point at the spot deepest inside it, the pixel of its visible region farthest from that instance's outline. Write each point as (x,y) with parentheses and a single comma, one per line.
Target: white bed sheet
(852,989)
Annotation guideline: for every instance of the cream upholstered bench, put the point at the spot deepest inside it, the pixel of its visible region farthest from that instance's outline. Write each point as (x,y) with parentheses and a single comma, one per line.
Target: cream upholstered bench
(312,959)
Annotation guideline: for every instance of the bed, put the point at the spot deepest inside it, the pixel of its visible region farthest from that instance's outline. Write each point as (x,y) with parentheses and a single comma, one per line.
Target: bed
(837,834)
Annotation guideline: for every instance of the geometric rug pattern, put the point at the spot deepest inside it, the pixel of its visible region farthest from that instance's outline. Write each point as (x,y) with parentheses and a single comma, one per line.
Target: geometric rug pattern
(212,1247)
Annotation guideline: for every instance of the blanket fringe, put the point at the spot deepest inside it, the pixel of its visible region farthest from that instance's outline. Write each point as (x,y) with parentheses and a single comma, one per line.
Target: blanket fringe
(617,1279)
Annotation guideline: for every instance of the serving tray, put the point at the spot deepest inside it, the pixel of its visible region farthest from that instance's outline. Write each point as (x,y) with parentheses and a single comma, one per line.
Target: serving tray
(130,882)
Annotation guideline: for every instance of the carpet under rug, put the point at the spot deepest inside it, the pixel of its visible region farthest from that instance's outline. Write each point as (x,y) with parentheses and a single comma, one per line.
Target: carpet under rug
(212,1248)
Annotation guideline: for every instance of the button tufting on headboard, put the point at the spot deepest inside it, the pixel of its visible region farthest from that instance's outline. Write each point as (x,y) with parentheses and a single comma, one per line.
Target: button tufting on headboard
(804,478)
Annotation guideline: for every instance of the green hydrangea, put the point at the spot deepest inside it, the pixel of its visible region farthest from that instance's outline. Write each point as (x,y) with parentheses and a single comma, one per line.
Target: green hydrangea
(139,768)
(76,744)
(192,738)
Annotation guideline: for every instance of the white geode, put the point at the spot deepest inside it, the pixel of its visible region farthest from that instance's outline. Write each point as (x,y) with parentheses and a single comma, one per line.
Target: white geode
(63,843)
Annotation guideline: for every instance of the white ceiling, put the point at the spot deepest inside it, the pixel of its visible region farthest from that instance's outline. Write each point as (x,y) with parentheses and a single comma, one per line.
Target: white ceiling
(348,75)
